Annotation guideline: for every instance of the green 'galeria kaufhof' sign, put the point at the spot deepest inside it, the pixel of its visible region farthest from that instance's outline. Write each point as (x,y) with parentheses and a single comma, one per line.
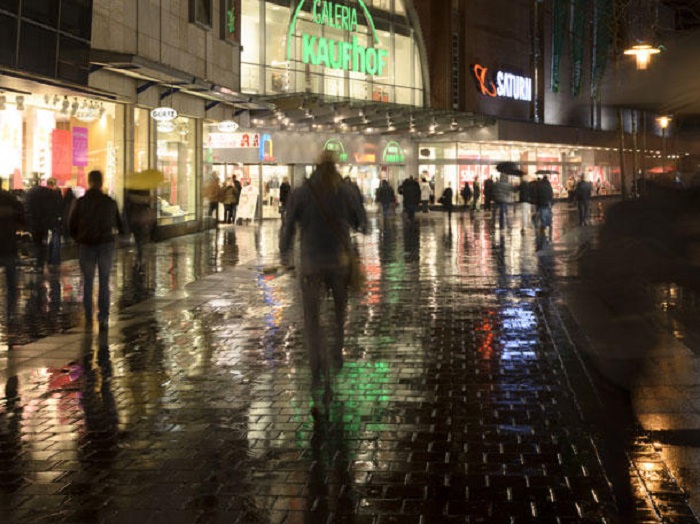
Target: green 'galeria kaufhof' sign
(338,54)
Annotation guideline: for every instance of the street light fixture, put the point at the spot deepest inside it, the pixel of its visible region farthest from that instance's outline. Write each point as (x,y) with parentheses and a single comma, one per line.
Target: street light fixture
(663,121)
(642,54)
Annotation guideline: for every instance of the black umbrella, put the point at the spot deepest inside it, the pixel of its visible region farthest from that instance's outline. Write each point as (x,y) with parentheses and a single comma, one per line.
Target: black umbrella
(509,168)
(546,172)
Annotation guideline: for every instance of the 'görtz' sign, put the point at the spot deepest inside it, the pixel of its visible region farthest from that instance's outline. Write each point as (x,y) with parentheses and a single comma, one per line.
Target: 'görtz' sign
(357,55)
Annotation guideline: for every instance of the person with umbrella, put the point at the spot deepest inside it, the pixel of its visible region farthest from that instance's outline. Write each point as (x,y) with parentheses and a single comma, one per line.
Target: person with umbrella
(140,208)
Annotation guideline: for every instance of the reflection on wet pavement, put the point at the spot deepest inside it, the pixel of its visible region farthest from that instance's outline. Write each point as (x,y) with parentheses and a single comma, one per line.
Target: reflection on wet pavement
(453,402)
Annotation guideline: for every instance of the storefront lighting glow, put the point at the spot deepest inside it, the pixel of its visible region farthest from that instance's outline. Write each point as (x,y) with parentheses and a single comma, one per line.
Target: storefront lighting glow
(642,54)
(339,54)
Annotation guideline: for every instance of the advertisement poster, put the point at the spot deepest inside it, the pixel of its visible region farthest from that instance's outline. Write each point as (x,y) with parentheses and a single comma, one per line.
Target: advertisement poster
(62,155)
(80,146)
(247,203)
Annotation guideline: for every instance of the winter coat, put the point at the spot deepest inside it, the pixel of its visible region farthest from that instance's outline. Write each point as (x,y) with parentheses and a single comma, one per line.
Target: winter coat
(95,219)
(44,208)
(425,191)
(325,216)
(411,192)
(545,194)
(466,192)
(583,191)
(230,196)
(501,192)
(11,219)
(446,198)
(524,192)
(385,193)
(285,188)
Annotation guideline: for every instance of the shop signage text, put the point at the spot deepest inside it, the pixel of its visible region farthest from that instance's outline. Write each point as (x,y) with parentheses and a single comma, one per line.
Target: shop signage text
(503,84)
(233,140)
(163,114)
(339,54)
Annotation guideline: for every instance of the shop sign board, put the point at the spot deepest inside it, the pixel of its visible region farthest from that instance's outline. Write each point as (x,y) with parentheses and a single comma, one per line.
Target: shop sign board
(393,153)
(163,114)
(343,54)
(502,84)
(233,140)
(80,146)
(337,146)
(247,202)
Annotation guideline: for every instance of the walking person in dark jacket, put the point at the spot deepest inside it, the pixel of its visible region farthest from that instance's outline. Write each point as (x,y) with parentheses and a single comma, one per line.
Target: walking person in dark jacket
(410,189)
(446,201)
(582,195)
(11,218)
(285,189)
(386,197)
(93,225)
(544,202)
(44,207)
(476,198)
(326,209)
(488,193)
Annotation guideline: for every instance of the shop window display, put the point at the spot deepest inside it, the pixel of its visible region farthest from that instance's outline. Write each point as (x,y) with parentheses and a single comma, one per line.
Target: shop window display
(176,159)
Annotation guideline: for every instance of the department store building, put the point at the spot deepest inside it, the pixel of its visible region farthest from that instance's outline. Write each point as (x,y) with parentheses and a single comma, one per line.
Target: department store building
(258,88)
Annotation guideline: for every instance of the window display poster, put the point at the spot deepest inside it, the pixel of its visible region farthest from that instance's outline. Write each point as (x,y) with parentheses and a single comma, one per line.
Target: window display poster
(247,203)
(80,146)
(62,155)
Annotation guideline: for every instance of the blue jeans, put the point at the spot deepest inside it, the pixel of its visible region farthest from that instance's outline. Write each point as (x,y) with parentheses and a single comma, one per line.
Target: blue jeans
(98,256)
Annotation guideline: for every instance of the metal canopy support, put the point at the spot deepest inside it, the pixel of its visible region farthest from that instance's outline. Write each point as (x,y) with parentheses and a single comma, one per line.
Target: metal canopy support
(211,105)
(145,87)
(168,93)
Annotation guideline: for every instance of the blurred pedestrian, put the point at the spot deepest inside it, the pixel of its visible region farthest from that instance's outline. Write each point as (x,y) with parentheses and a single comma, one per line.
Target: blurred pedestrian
(325,209)
(476,195)
(44,208)
(411,191)
(54,241)
(212,192)
(386,197)
(544,202)
(501,196)
(285,189)
(466,194)
(488,193)
(425,192)
(68,203)
(446,201)
(141,219)
(239,187)
(582,194)
(525,203)
(229,200)
(11,219)
(93,225)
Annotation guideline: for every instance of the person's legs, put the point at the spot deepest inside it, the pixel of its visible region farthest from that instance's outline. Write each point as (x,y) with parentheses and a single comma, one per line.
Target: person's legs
(339,287)
(234,210)
(87,258)
(501,214)
(311,286)
(40,249)
(105,258)
(586,212)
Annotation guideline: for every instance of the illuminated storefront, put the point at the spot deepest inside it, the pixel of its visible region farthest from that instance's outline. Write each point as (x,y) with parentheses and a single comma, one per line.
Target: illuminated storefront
(454,163)
(60,136)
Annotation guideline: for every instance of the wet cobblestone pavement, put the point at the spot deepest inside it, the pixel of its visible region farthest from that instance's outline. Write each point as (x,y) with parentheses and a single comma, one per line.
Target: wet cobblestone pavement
(462,397)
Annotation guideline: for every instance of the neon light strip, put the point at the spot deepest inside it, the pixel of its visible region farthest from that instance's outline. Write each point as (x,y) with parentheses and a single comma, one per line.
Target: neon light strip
(368,18)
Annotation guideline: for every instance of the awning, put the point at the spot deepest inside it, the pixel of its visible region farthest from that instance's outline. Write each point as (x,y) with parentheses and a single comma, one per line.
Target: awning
(153,73)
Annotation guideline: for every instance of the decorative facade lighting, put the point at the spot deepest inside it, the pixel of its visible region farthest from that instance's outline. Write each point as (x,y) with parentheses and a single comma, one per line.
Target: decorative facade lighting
(642,54)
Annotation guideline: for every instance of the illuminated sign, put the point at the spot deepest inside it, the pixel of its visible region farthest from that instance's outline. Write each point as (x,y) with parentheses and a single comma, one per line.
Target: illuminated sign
(393,153)
(233,140)
(231,20)
(339,54)
(337,147)
(266,153)
(163,114)
(503,84)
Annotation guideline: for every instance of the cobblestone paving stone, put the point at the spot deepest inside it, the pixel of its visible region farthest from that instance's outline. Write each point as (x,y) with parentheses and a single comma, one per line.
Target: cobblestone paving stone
(456,402)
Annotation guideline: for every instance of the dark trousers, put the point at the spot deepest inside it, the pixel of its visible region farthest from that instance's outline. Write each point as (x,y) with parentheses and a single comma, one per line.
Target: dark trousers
(97,257)
(9,262)
(228,213)
(39,237)
(583,211)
